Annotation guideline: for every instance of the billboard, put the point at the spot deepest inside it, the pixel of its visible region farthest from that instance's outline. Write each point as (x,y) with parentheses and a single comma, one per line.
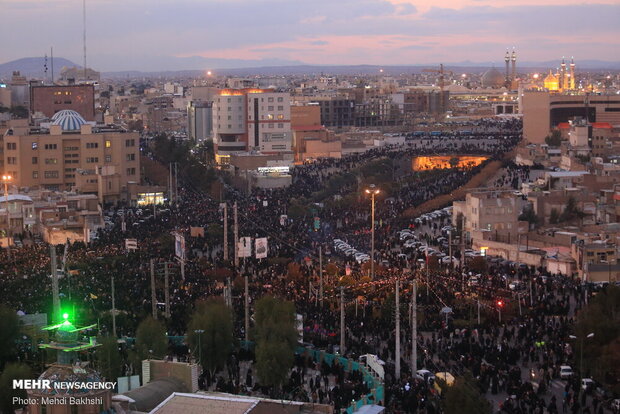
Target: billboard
(244,247)
(261,248)
(179,246)
(131,244)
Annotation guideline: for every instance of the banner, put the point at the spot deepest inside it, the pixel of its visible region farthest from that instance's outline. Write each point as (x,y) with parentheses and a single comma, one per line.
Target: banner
(261,248)
(197,231)
(244,247)
(131,244)
(179,246)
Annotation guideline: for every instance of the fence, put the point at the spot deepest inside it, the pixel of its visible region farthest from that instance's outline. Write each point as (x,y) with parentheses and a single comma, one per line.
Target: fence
(376,387)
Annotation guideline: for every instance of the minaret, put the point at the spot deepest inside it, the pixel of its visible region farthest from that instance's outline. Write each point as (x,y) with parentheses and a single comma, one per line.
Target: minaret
(572,73)
(507,60)
(514,66)
(563,84)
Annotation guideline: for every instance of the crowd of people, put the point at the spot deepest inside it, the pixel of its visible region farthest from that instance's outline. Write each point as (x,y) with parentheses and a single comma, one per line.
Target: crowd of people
(494,353)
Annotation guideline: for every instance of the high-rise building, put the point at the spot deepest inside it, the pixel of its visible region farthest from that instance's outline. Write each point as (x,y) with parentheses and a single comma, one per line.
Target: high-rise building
(251,120)
(50,99)
(199,120)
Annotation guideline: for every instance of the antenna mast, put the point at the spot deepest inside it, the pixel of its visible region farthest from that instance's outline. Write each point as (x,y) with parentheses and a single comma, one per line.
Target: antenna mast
(84,18)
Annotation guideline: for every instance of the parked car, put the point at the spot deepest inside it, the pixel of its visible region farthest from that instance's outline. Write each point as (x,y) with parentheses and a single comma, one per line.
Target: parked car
(566,372)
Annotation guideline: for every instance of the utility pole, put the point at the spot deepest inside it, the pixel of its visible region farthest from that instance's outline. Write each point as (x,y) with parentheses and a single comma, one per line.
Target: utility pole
(478,312)
(414,328)
(531,297)
(397,318)
(113,310)
(236,233)
(225,231)
(342,320)
(167,290)
(176,183)
(247,309)
(450,248)
(170,190)
(153,295)
(321,274)
(55,289)
(427,269)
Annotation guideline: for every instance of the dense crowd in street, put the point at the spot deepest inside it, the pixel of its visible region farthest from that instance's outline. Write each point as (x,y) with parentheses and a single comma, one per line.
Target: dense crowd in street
(515,361)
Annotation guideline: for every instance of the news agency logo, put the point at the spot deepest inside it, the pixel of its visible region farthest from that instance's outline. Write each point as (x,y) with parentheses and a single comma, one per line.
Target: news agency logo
(39,385)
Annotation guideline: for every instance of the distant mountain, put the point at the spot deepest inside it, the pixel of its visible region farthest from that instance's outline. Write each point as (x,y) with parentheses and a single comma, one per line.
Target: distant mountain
(196,66)
(33,67)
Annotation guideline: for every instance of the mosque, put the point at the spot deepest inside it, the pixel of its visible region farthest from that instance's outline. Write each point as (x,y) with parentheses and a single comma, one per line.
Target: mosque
(493,78)
(562,81)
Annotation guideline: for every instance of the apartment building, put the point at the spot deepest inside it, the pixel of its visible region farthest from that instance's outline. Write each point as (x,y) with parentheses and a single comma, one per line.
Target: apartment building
(251,120)
(72,154)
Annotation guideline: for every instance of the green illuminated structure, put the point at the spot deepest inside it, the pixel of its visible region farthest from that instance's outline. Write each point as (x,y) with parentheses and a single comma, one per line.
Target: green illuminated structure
(66,341)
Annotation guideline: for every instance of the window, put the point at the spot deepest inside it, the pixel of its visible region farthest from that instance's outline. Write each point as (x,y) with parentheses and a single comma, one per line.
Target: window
(270,108)
(131,171)
(11,160)
(130,142)
(71,148)
(51,174)
(35,160)
(108,143)
(108,158)
(280,125)
(11,145)
(92,145)
(280,99)
(131,157)
(92,160)
(280,116)
(271,126)
(35,174)
(270,100)
(280,108)
(35,145)
(51,161)
(50,146)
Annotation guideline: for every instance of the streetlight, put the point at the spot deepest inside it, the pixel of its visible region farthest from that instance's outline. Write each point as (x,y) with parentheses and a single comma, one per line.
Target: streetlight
(199,332)
(590,335)
(373,191)
(5,180)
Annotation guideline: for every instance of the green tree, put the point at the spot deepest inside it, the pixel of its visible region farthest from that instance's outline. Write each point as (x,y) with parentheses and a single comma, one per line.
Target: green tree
(213,346)
(554,139)
(9,332)
(554,216)
(151,339)
(276,339)
(19,112)
(464,397)
(600,352)
(109,358)
(571,211)
(529,215)
(12,371)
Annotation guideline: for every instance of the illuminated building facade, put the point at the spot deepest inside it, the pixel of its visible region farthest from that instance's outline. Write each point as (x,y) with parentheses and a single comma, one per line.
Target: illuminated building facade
(251,120)
(561,81)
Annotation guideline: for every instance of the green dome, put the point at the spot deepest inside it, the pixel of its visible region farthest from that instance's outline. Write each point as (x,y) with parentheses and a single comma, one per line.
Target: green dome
(66,333)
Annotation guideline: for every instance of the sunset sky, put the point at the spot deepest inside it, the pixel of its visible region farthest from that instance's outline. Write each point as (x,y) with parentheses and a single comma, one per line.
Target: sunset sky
(154,34)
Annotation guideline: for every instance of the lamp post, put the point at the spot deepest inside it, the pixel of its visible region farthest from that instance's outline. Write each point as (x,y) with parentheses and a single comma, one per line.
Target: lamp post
(590,335)
(373,191)
(5,180)
(199,332)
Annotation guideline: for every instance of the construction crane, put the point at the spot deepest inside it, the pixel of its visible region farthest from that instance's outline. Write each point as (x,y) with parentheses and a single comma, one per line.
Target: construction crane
(441,73)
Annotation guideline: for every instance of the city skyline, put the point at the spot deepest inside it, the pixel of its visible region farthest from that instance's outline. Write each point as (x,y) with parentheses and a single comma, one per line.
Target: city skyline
(188,34)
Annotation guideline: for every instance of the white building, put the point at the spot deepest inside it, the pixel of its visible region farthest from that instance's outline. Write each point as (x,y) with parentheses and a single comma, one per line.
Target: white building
(251,120)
